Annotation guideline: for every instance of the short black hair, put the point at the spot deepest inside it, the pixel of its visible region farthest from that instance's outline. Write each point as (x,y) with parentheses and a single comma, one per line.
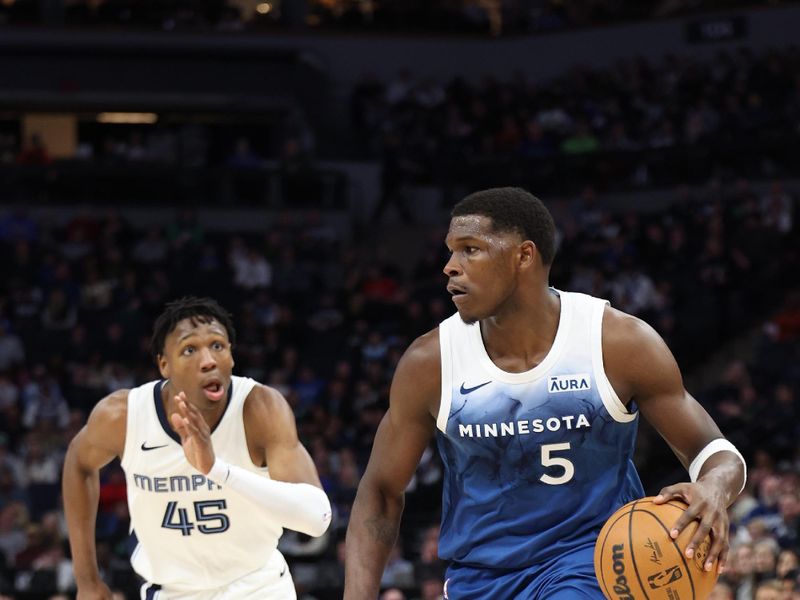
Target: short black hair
(199,310)
(514,209)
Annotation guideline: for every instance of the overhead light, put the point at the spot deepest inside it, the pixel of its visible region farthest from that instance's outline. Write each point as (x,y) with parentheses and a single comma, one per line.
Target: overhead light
(127,117)
(263,8)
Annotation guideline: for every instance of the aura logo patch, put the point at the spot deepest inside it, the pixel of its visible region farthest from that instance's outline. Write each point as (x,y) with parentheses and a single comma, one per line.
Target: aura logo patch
(578,382)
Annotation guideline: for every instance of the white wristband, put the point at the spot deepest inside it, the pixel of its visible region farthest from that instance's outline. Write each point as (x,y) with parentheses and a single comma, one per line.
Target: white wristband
(299,506)
(219,472)
(714,446)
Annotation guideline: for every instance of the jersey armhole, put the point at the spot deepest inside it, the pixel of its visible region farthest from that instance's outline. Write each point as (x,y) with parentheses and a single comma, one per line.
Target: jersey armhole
(129,449)
(611,401)
(446,396)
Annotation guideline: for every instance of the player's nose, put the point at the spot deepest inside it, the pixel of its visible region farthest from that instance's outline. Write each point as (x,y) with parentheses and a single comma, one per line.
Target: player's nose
(207,360)
(451,268)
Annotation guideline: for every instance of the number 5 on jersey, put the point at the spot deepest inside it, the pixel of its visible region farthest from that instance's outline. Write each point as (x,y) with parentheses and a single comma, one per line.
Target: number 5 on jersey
(178,518)
(548,460)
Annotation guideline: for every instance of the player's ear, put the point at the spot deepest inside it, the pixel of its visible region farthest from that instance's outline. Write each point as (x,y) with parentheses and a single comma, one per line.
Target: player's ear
(163,366)
(527,254)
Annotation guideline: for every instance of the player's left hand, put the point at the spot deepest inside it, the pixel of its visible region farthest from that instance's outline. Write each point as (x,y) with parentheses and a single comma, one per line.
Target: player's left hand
(195,434)
(707,504)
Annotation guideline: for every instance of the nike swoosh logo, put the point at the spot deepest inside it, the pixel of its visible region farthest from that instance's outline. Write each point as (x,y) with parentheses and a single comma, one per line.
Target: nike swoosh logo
(146,448)
(466,390)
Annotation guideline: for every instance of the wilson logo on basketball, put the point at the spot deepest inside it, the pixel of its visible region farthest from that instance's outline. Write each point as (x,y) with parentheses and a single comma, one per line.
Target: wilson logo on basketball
(621,588)
(665,577)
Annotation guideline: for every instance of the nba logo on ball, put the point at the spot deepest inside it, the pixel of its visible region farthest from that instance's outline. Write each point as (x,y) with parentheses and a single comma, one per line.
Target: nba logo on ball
(635,557)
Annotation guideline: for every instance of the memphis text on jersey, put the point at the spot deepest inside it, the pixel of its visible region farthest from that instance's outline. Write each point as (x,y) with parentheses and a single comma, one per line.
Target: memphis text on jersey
(174,483)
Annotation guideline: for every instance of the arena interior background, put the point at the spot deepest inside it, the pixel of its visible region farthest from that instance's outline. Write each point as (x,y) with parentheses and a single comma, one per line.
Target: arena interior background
(297,159)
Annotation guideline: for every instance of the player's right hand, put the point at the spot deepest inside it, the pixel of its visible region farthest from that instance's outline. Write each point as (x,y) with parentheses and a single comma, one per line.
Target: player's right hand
(97,591)
(195,434)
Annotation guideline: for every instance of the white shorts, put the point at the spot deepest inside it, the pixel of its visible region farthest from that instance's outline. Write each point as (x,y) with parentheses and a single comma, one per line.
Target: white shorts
(272,582)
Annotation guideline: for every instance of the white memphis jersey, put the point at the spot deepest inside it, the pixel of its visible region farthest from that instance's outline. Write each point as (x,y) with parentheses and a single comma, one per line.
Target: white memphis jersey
(192,533)
(535,462)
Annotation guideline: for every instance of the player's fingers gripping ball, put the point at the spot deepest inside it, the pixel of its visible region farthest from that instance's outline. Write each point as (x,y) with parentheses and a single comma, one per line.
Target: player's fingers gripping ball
(635,557)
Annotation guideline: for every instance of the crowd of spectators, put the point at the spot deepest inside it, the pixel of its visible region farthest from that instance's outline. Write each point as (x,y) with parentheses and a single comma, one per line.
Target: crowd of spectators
(494,17)
(756,405)
(324,319)
(172,162)
(633,124)
(637,124)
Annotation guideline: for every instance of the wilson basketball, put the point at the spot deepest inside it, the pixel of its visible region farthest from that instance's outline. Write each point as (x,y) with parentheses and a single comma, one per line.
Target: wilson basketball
(636,558)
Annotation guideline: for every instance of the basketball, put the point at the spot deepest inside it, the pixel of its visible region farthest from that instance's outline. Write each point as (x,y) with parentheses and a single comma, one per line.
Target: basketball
(635,557)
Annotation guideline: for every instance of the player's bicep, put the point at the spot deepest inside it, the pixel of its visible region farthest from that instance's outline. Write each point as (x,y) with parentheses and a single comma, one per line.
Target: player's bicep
(396,451)
(270,420)
(408,426)
(289,461)
(658,391)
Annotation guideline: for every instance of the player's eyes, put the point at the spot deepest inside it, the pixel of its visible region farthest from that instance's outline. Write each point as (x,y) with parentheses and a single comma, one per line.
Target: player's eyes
(188,350)
(217,346)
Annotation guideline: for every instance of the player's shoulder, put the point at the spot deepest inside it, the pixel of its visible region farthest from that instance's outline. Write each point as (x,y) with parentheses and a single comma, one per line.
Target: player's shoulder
(625,332)
(423,352)
(267,414)
(113,409)
(416,385)
(634,353)
(107,424)
(264,401)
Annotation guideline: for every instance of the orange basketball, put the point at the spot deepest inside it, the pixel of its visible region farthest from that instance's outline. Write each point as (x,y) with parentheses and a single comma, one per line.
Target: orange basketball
(635,557)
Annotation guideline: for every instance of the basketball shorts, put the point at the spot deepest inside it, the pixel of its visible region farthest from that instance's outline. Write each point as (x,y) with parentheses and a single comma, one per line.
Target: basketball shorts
(272,582)
(566,577)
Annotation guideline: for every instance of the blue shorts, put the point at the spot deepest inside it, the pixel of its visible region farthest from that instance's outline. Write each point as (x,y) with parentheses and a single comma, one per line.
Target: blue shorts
(566,577)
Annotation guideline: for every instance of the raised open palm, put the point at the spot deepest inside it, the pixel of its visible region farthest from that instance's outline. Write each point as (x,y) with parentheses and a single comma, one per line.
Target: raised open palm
(195,434)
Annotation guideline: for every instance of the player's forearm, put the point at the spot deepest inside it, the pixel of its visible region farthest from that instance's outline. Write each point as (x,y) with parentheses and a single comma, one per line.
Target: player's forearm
(298,506)
(371,535)
(81,491)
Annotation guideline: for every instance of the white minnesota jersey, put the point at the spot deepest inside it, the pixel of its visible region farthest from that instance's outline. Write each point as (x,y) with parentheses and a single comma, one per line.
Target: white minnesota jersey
(192,533)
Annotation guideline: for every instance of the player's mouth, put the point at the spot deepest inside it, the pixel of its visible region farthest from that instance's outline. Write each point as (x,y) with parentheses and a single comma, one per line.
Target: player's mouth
(214,390)
(458,293)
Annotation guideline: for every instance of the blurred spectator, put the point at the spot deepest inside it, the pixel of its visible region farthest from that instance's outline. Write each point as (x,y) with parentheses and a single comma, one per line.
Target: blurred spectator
(59,314)
(43,475)
(769,590)
(721,591)
(43,401)
(13,531)
(12,352)
(243,156)
(251,270)
(151,249)
(34,152)
(399,572)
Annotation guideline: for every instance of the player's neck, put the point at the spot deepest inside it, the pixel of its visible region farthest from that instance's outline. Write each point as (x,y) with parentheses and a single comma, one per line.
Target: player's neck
(523,333)
(212,412)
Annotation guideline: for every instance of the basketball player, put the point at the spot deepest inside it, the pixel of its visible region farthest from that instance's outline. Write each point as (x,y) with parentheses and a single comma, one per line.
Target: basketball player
(213,466)
(533,395)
